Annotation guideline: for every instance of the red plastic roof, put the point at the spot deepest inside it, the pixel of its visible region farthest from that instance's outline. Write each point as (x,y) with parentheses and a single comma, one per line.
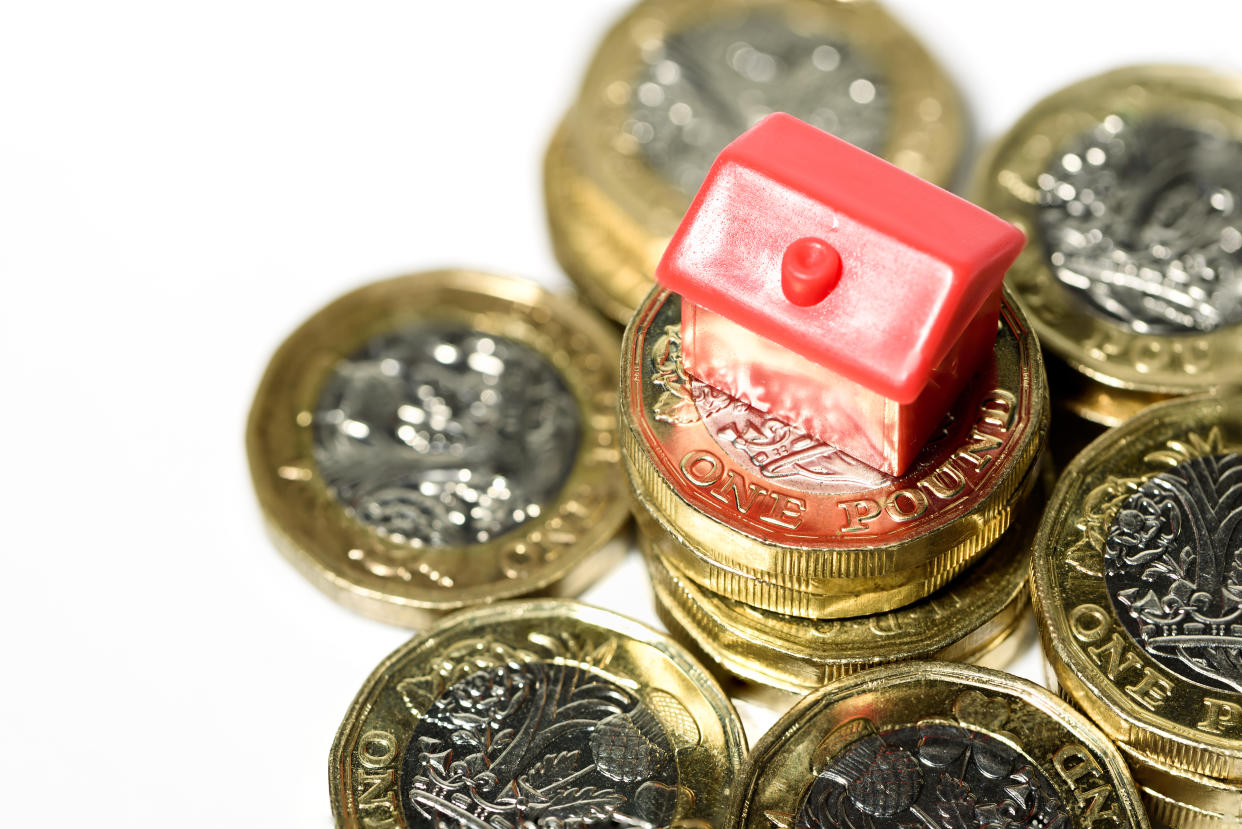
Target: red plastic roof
(917,262)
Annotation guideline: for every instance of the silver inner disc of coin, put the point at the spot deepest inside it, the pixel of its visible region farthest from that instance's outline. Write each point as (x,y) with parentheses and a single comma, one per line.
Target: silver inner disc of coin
(436,434)
(1142,219)
(705,85)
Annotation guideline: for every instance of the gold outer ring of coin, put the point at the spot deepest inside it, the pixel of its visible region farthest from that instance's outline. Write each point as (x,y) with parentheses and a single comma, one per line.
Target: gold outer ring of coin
(1090,399)
(1110,353)
(697,719)
(1132,696)
(779,541)
(1181,800)
(965,621)
(611,214)
(388,579)
(1076,759)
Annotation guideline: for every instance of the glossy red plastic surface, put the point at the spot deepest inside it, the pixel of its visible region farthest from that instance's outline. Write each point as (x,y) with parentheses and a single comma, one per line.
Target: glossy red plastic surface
(917,262)
(836,291)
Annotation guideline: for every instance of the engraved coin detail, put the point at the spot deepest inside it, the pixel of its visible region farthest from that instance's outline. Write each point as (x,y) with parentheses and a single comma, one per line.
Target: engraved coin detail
(759,504)
(775,449)
(930,774)
(538,744)
(1143,220)
(439,435)
(703,86)
(1174,569)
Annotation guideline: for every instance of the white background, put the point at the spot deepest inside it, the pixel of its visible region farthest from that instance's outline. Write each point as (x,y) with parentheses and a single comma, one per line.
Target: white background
(180,185)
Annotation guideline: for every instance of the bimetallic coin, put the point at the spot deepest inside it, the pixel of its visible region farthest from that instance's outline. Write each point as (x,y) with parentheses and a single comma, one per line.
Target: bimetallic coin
(938,745)
(546,714)
(777,520)
(1129,186)
(440,440)
(965,621)
(674,82)
(1138,584)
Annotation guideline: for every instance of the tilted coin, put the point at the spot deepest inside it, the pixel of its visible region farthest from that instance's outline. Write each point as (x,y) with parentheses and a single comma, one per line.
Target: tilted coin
(1181,800)
(965,621)
(1093,404)
(775,519)
(536,714)
(1129,187)
(440,440)
(938,745)
(1174,798)
(676,80)
(1137,579)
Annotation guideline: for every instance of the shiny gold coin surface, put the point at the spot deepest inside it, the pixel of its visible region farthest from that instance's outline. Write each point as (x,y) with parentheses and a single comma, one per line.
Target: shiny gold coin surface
(1137,581)
(1092,401)
(1180,800)
(675,80)
(934,744)
(964,621)
(1127,186)
(536,713)
(440,440)
(777,520)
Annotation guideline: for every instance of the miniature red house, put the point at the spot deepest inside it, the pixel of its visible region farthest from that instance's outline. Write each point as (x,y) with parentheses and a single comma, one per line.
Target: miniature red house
(833,290)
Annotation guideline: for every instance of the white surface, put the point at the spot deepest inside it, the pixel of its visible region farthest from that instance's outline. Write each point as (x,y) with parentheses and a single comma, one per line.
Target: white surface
(180,185)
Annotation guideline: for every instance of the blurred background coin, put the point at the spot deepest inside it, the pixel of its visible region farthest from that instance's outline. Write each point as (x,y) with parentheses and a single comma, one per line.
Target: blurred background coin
(933,744)
(676,80)
(1137,579)
(440,440)
(543,713)
(1129,187)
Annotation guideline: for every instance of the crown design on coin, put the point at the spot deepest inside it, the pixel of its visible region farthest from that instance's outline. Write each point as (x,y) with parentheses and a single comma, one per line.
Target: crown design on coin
(1143,218)
(1173,561)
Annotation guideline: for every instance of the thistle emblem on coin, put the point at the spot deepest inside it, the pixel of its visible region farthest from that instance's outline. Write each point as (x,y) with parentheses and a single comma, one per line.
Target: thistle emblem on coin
(931,775)
(525,741)
(1173,559)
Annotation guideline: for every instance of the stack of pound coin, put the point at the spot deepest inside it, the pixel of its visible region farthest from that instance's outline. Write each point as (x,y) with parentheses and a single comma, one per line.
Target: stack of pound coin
(541,713)
(440,440)
(1137,578)
(786,562)
(675,80)
(1129,188)
(934,744)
